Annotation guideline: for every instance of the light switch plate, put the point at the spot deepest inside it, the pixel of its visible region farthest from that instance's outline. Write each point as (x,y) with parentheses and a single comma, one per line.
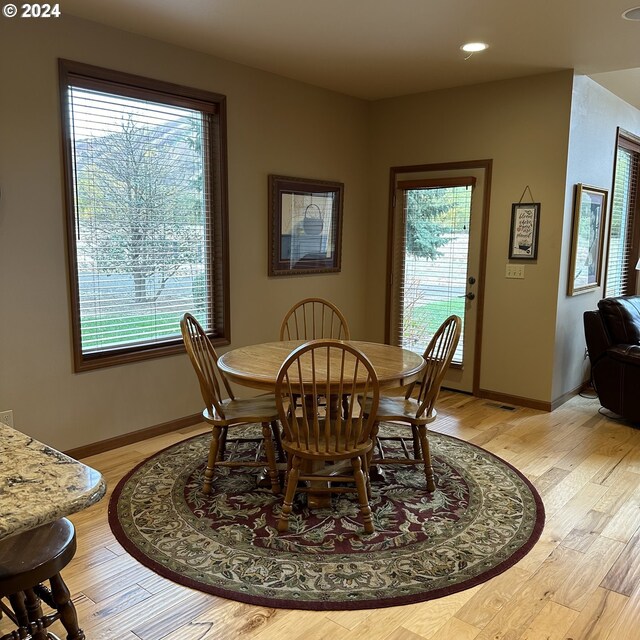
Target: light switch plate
(515,271)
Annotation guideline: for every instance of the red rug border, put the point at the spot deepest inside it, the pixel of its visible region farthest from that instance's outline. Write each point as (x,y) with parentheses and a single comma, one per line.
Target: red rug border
(319,605)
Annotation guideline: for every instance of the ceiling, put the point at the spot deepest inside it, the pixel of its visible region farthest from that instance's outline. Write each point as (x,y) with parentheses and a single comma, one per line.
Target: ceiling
(374,49)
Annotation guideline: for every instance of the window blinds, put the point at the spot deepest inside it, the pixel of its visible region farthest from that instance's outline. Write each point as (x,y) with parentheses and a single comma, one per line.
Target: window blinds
(142,231)
(430,259)
(622,250)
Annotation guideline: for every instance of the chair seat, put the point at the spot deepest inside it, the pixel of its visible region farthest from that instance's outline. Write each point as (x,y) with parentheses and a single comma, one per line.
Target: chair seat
(397,409)
(245,410)
(326,450)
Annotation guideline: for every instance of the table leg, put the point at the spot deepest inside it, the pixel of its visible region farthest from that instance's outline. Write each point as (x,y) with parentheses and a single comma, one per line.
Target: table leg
(318,497)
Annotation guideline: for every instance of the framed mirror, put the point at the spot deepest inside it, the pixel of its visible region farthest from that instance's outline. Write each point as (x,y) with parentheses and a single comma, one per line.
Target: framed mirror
(305,226)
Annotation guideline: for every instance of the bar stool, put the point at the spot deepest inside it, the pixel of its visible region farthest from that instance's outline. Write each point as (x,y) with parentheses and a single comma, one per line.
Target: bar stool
(26,561)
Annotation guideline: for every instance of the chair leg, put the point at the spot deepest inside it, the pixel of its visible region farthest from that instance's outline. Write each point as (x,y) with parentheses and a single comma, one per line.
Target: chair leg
(367,477)
(345,406)
(211,460)
(365,509)
(287,471)
(28,616)
(287,503)
(416,443)
(222,444)
(374,439)
(267,436)
(426,458)
(277,438)
(17,601)
(67,611)
(34,610)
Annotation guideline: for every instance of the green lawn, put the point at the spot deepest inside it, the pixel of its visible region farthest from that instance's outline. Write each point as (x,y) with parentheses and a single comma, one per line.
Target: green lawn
(117,329)
(422,322)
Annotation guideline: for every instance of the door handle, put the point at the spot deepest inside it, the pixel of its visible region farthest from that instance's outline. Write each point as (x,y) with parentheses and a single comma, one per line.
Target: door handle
(468,296)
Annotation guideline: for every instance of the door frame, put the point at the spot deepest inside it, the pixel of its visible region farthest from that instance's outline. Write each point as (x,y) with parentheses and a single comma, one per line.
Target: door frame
(394,176)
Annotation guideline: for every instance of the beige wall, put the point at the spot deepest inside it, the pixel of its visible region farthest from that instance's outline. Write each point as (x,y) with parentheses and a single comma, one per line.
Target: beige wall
(523,126)
(532,339)
(595,115)
(274,126)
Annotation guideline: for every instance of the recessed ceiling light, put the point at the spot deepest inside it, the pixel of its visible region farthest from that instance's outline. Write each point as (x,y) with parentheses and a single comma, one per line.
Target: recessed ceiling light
(632,14)
(472,47)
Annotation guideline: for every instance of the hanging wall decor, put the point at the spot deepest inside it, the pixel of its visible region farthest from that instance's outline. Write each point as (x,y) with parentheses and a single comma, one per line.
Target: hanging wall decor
(525,224)
(589,210)
(305,226)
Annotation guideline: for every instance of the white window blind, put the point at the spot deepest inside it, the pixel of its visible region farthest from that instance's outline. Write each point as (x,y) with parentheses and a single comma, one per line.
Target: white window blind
(144,241)
(431,258)
(621,253)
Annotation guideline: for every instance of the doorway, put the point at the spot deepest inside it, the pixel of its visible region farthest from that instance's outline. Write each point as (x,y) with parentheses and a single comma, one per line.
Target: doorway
(436,266)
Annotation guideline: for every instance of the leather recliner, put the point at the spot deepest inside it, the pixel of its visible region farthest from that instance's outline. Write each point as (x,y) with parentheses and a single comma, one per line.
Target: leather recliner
(613,341)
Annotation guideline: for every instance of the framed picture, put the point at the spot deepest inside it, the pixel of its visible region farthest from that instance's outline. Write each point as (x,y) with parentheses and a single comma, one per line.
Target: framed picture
(589,209)
(525,224)
(305,226)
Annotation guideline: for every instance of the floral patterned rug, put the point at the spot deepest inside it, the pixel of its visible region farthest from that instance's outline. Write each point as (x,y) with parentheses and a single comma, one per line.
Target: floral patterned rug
(483,517)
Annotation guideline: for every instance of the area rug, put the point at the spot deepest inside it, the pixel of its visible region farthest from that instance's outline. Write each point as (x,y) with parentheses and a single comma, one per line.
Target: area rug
(483,517)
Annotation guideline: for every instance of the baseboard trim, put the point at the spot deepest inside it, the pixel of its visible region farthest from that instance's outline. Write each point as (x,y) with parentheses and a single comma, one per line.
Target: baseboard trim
(520,401)
(188,421)
(134,436)
(567,396)
(530,403)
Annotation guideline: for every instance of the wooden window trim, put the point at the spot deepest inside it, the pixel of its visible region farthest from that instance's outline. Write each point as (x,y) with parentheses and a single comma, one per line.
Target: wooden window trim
(434,183)
(630,142)
(213,104)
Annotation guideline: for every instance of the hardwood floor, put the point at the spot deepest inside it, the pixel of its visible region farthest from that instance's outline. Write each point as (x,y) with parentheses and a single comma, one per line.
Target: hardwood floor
(580,582)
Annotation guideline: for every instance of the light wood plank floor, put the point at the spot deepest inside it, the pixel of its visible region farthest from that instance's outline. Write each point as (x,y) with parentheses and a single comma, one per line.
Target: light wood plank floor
(580,582)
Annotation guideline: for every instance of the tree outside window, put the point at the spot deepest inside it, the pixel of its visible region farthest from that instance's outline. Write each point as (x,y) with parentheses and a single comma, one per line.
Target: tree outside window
(146,213)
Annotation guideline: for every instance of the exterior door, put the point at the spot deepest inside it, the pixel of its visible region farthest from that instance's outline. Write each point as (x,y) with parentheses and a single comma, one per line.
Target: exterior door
(438,222)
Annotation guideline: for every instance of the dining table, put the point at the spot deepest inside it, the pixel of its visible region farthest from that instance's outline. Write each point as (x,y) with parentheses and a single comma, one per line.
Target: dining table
(257,366)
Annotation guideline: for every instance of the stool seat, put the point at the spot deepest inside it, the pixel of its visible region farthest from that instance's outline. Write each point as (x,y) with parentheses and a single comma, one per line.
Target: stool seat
(26,561)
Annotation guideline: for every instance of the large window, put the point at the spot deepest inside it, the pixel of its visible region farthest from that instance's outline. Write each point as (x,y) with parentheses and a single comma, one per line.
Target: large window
(624,227)
(146,213)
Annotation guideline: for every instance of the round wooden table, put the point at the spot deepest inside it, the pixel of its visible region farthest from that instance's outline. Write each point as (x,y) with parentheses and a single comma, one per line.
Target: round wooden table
(257,365)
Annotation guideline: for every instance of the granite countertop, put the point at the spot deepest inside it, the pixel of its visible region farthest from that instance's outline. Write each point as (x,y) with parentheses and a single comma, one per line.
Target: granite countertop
(39,484)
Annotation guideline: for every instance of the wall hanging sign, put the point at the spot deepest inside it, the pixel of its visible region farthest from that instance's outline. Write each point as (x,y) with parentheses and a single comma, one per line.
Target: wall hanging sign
(305,225)
(525,224)
(589,209)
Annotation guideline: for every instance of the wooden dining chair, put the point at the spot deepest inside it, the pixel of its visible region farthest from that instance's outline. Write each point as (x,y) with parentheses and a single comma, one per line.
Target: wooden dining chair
(314,318)
(223,414)
(27,561)
(416,410)
(317,438)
